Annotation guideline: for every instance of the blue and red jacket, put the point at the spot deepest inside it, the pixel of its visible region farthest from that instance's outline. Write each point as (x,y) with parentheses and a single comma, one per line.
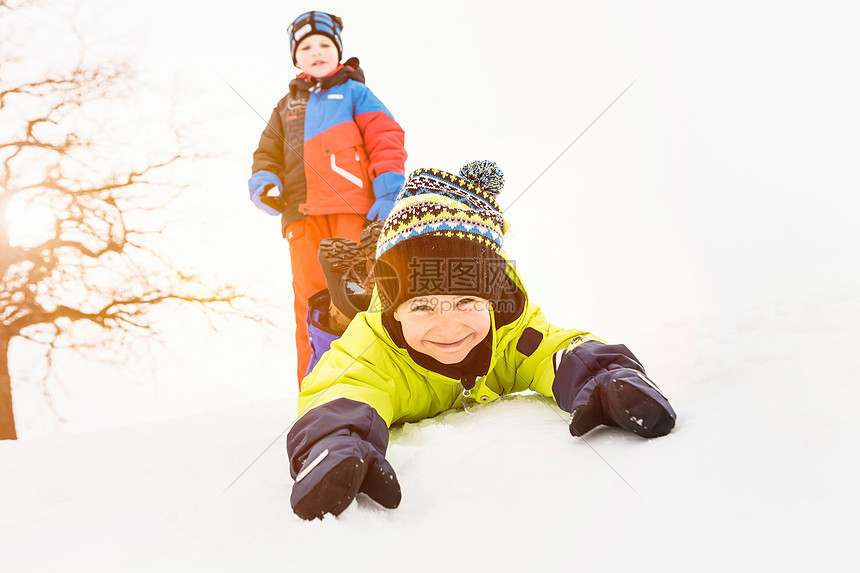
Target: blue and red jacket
(333,144)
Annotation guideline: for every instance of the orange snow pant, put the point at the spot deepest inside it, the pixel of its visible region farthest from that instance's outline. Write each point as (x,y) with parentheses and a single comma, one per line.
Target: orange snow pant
(305,236)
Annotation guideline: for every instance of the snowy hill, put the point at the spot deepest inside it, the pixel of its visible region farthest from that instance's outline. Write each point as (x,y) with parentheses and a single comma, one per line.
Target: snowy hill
(707,220)
(759,474)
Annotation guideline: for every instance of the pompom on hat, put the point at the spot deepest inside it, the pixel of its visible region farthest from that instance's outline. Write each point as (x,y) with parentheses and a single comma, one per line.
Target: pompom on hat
(315,23)
(443,236)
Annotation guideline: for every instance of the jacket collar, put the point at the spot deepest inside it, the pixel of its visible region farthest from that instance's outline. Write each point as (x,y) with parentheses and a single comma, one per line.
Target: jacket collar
(349,70)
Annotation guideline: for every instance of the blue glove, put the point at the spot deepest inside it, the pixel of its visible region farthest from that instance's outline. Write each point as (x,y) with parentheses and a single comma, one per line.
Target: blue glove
(385,187)
(258,184)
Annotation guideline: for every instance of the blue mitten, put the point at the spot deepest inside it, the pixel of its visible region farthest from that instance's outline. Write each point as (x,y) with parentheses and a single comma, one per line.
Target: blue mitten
(337,451)
(258,184)
(385,188)
(605,384)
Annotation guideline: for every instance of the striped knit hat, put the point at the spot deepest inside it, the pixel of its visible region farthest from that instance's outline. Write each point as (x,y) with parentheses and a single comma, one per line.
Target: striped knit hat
(315,23)
(443,236)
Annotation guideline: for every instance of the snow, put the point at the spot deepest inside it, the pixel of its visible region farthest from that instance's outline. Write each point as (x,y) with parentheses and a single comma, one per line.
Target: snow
(759,474)
(707,220)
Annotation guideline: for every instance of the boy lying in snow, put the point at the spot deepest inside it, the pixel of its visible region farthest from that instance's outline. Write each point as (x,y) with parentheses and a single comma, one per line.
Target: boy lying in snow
(450,323)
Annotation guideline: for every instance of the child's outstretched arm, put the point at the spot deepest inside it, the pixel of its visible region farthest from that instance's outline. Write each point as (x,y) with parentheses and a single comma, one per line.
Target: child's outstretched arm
(596,382)
(602,383)
(337,447)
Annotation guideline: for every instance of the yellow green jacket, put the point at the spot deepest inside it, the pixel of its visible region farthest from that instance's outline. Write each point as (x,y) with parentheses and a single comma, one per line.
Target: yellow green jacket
(366,365)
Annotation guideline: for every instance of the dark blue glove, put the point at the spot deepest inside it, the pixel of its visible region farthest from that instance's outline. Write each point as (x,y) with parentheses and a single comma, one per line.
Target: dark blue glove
(336,451)
(605,384)
(385,188)
(258,184)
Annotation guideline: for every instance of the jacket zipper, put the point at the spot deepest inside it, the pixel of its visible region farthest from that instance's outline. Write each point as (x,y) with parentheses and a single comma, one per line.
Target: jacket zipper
(466,392)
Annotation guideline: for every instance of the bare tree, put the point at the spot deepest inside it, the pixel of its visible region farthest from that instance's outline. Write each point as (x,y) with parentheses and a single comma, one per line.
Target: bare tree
(76,236)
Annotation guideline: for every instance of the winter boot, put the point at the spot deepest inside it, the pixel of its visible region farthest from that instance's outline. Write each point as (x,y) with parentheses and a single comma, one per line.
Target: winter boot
(346,276)
(369,238)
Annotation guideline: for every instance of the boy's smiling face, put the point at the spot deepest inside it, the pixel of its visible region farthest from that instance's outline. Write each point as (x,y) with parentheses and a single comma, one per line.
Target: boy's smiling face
(445,327)
(316,55)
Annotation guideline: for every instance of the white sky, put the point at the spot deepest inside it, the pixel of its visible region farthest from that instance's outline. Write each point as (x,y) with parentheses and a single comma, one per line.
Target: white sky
(719,178)
(725,177)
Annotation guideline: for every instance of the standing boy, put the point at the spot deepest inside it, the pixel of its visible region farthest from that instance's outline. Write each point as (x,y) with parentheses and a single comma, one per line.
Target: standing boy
(331,158)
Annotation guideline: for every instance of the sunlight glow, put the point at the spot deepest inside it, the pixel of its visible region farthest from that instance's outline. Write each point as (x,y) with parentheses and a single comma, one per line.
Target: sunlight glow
(28,223)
